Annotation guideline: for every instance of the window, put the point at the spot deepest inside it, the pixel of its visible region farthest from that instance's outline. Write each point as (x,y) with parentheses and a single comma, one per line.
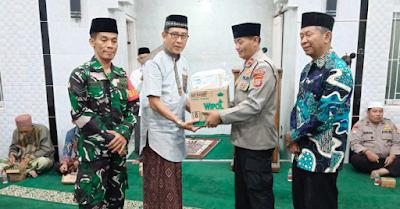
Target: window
(331,7)
(75,8)
(393,78)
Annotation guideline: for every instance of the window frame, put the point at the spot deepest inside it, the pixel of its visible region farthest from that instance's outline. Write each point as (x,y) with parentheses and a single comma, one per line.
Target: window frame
(390,99)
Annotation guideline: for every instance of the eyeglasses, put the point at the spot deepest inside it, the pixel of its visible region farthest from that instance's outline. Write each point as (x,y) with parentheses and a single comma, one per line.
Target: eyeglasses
(176,35)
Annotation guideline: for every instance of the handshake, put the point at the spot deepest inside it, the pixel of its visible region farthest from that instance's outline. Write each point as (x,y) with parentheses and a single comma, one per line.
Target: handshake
(212,121)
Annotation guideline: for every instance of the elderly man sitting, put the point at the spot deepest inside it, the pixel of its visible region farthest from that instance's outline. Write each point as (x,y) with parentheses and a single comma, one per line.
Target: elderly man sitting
(31,149)
(376,143)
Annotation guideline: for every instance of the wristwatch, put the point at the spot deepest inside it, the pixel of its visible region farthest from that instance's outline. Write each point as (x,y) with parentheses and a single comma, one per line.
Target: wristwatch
(178,124)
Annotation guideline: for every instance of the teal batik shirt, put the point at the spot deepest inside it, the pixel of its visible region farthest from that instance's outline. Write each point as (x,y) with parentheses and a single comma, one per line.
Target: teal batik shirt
(320,118)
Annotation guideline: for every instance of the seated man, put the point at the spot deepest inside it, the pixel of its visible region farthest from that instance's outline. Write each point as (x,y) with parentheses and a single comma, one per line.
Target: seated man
(31,149)
(375,142)
(69,161)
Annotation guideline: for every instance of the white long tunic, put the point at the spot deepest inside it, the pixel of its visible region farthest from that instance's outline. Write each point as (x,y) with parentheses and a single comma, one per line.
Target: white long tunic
(159,80)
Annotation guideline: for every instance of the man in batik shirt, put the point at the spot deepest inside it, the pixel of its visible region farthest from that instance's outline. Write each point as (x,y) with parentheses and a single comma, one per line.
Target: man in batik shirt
(320,118)
(70,154)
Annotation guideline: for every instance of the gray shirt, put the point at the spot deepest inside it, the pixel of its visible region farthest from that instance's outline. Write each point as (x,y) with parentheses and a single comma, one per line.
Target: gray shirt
(382,140)
(159,80)
(253,114)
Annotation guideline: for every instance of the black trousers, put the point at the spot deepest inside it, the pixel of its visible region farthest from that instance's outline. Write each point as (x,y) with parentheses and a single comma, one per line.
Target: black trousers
(313,190)
(361,163)
(253,179)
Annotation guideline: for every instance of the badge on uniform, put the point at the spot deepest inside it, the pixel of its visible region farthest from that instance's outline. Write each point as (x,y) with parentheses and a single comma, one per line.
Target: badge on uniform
(246,78)
(251,60)
(248,72)
(395,128)
(258,77)
(355,129)
(123,83)
(387,127)
(242,86)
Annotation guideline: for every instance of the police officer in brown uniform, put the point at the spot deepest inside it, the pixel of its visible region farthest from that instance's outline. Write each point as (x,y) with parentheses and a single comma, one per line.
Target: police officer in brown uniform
(253,120)
(375,142)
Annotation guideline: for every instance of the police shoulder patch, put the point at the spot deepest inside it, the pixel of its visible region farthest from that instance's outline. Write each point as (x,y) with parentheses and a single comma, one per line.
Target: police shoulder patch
(355,129)
(258,77)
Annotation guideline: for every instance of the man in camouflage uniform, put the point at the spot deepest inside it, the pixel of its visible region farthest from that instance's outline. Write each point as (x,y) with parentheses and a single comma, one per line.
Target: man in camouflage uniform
(102,108)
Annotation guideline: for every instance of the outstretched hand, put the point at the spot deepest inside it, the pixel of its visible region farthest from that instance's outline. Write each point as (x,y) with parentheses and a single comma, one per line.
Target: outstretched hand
(188,125)
(213,118)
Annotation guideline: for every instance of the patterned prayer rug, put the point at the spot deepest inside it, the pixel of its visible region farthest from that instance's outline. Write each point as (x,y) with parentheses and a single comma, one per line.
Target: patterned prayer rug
(199,147)
(56,196)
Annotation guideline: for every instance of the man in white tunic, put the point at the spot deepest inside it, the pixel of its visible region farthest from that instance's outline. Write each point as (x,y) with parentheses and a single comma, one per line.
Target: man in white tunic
(163,112)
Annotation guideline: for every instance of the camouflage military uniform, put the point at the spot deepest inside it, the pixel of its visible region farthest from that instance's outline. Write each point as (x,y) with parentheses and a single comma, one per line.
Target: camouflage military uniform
(100,103)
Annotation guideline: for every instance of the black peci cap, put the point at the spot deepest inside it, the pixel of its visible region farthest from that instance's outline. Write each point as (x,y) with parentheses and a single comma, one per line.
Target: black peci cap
(246,29)
(317,19)
(104,25)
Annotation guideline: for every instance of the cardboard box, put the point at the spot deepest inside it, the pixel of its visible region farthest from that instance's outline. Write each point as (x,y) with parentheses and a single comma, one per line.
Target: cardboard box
(212,99)
(388,182)
(69,178)
(15,175)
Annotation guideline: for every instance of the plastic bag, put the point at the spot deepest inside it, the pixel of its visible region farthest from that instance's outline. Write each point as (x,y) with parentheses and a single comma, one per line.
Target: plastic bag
(210,79)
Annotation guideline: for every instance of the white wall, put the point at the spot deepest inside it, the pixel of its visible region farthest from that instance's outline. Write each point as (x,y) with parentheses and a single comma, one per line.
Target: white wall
(377,46)
(210,44)
(21,66)
(289,84)
(69,46)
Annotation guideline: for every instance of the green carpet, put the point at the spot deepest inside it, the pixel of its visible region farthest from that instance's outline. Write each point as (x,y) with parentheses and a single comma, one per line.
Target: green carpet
(210,185)
(223,150)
